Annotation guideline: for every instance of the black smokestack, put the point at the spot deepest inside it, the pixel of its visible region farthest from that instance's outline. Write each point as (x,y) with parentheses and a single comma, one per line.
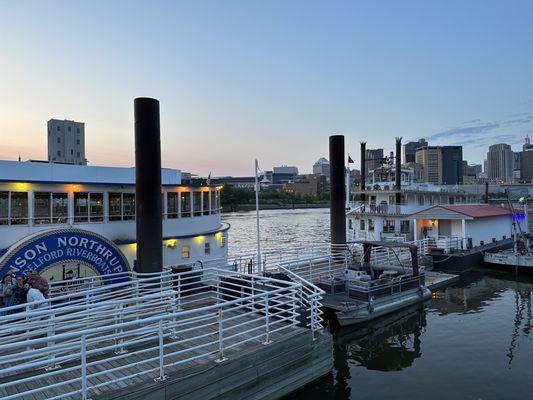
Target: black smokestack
(363,170)
(337,190)
(148,207)
(398,170)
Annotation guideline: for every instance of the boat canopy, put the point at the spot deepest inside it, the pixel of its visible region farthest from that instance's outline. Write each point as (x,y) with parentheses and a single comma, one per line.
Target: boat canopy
(369,244)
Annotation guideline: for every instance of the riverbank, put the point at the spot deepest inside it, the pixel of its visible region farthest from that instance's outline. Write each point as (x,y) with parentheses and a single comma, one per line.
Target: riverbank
(291,206)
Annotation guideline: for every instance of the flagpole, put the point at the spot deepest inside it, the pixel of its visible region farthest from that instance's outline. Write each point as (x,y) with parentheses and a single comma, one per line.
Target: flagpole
(348,186)
(257,216)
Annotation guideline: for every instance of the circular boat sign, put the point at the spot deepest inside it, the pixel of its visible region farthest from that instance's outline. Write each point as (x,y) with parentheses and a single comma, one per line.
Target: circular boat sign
(62,254)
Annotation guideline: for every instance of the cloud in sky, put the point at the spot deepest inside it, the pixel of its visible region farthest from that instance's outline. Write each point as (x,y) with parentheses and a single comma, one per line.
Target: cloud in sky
(474,131)
(476,135)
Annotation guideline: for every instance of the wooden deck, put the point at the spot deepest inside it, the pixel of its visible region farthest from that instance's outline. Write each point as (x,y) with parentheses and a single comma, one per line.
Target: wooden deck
(132,369)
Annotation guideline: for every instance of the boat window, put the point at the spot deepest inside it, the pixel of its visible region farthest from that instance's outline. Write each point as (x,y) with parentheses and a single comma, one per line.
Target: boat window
(421,199)
(213,194)
(59,208)
(81,207)
(371,225)
(172,205)
(96,207)
(13,208)
(389,226)
(197,203)
(115,206)
(128,206)
(4,208)
(41,208)
(207,248)
(19,208)
(185,204)
(362,225)
(205,203)
(350,226)
(185,252)
(405,226)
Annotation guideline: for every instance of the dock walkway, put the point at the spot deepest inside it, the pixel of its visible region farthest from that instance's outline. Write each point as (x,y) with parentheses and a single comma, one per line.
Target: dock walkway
(239,336)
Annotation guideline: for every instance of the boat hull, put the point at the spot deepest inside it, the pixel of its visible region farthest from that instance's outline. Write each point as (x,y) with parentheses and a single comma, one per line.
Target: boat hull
(366,313)
(508,259)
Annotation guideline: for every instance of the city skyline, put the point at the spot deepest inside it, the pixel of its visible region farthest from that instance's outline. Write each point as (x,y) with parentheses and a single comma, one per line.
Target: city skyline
(283,78)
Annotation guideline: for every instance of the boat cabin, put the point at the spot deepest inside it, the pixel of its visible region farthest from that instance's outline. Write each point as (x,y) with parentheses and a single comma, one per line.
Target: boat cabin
(76,220)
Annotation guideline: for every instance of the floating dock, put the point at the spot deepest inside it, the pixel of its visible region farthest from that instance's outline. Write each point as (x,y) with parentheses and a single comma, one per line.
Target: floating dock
(196,335)
(436,280)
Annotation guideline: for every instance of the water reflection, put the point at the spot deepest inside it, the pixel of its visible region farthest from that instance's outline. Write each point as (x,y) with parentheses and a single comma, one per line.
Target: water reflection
(471,341)
(391,343)
(522,321)
(388,344)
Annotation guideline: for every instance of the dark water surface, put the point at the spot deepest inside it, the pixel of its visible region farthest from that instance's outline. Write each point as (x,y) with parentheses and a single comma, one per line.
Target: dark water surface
(472,340)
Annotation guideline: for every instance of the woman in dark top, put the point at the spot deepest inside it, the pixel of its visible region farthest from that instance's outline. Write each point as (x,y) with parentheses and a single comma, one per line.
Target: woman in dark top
(20,292)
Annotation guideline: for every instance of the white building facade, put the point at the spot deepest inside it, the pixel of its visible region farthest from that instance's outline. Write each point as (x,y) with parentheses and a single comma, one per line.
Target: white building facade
(66,142)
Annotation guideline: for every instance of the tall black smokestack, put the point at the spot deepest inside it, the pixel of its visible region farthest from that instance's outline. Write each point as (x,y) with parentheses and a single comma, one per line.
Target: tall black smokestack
(148,207)
(363,170)
(337,190)
(398,170)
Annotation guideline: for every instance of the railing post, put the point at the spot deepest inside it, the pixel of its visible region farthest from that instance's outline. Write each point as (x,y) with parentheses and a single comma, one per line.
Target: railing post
(313,316)
(119,318)
(162,376)
(179,292)
(221,357)
(267,321)
(50,331)
(84,367)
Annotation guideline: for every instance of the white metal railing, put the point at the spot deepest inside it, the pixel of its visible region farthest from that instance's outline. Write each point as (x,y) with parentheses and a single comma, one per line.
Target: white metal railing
(446,243)
(75,349)
(385,209)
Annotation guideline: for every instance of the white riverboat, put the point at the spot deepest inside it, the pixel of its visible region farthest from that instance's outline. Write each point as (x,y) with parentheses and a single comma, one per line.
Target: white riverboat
(451,217)
(73,221)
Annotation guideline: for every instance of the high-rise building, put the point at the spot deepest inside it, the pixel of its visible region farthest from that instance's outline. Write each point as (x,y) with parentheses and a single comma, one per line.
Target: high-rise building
(321,167)
(517,165)
(430,158)
(66,142)
(373,159)
(283,174)
(441,165)
(452,165)
(471,173)
(527,144)
(526,165)
(500,159)
(409,150)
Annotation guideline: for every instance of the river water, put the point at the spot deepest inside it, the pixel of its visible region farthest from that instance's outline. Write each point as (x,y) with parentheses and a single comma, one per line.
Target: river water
(472,340)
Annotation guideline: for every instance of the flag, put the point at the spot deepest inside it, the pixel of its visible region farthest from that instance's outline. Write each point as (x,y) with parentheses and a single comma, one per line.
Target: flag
(350,161)
(208,180)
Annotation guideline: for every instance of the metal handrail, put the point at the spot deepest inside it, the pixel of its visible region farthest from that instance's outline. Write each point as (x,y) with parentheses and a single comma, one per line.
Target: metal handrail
(272,310)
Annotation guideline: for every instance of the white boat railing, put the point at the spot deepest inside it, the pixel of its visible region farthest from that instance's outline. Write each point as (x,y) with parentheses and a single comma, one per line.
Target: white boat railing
(446,243)
(90,342)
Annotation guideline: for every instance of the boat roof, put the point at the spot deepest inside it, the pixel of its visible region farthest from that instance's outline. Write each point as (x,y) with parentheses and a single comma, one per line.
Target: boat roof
(44,172)
(470,210)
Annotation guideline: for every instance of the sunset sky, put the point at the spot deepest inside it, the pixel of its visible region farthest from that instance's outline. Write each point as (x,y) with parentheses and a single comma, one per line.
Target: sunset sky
(239,80)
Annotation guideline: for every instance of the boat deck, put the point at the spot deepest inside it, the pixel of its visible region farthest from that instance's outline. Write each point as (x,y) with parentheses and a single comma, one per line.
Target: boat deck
(131,370)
